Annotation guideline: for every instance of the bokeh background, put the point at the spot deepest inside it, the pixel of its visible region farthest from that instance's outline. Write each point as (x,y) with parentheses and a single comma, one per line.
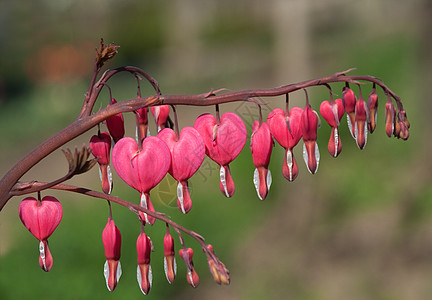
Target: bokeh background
(361,228)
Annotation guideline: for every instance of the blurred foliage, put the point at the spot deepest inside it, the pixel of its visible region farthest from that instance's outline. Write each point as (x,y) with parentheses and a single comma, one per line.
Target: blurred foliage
(359,227)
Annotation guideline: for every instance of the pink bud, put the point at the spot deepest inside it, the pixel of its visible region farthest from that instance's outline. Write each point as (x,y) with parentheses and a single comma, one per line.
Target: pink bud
(218,270)
(160,114)
(192,276)
(309,127)
(349,101)
(187,155)
(287,132)
(360,123)
(100,147)
(390,118)
(41,218)
(115,125)
(261,147)
(170,265)
(144,272)
(223,143)
(111,239)
(373,110)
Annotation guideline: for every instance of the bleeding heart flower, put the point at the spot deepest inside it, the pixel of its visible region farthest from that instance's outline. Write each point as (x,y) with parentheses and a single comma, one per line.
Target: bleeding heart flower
(309,127)
(361,117)
(100,147)
(349,101)
(287,132)
(332,112)
(170,265)
(261,147)
(115,125)
(223,143)
(192,276)
(144,271)
(142,169)
(160,114)
(41,218)
(373,110)
(111,239)
(187,155)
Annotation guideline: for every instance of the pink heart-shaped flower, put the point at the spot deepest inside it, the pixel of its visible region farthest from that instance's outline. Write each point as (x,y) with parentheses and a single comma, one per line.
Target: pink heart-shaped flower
(223,143)
(41,218)
(187,155)
(287,132)
(142,169)
(332,112)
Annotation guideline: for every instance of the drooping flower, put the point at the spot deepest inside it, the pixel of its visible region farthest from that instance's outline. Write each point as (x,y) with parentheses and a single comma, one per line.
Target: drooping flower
(390,117)
(187,155)
(41,218)
(160,114)
(349,102)
(144,271)
(170,265)
(261,147)
(191,276)
(332,112)
(100,147)
(111,239)
(286,130)
(223,142)
(142,168)
(309,126)
(115,125)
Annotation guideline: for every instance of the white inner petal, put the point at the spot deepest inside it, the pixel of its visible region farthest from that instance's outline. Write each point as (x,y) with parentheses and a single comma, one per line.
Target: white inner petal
(336,141)
(256,182)
(139,277)
(110,179)
(365,135)
(189,274)
(317,157)
(42,253)
(269,179)
(106,274)
(290,163)
(350,126)
(223,180)
(180,196)
(119,272)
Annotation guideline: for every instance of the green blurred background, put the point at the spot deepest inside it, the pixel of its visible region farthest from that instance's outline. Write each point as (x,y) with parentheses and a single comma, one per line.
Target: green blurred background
(361,228)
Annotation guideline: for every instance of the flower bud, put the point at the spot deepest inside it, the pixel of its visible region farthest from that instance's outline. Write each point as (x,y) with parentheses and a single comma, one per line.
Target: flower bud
(261,147)
(349,101)
(218,270)
(390,118)
(111,239)
(309,127)
(360,123)
(144,271)
(170,265)
(100,147)
(192,276)
(373,110)
(115,125)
